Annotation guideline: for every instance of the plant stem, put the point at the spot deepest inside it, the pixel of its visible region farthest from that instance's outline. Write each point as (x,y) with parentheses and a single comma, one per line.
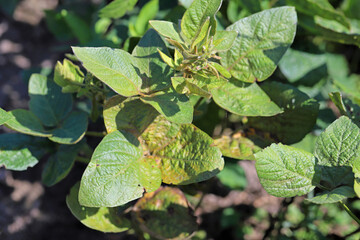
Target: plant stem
(347,209)
(95,134)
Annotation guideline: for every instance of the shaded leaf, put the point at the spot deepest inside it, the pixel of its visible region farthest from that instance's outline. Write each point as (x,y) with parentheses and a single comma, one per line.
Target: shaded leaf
(262,40)
(18,152)
(47,101)
(333,196)
(147,12)
(72,129)
(165,214)
(78,26)
(244,99)
(233,176)
(115,174)
(102,219)
(172,105)
(154,72)
(128,114)
(299,116)
(114,67)
(285,171)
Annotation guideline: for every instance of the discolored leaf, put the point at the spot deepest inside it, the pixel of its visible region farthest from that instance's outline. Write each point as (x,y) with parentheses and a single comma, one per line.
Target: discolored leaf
(128,114)
(116,172)
(237,146)
(172,105)
(165,214)
(285,171)
(68,76)
(244,99)
(154,72)
(299,116)
(262,40)
(114,67)
(102,219)
(47,101)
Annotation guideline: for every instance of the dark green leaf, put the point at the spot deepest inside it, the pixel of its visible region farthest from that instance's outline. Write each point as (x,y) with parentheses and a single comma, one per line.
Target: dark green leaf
(333,196)
(47,101)
(233,176)
(262,40)
(102,219)
(78,26)
(148,12)
(298,119)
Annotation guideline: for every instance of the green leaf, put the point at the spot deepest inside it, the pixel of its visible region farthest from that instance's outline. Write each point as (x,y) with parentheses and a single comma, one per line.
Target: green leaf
(165,214)
(262,40)
(285,171)
(116,172)
(299,116)
(155,73)
(223,40)
(4,116)
(233,176)
(147,12)
(26,122)
(78,26)
(244,99)
(202,34)
(333,196)
(336,98)
(320,8)
(167,29)
(18,152)
(296,65)
(237,146)
(117,8)
(338,66)
(114,67)
(47,101)
(59,165)
(196,15)
(185,153)
(127,114)
(175,107)
(307,143)
(102,219)
(72,129)
(68,76)
(190,85)
(336,149)
(351,8)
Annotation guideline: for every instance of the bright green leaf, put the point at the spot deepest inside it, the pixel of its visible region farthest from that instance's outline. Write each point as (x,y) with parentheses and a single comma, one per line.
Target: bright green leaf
(285,171)
(102,219)
(68,76)
(196,15)
(4,116)
(262,40)
(244,99)
(114,67)
(167,29)
(117,8)
(223,40)
(115,174)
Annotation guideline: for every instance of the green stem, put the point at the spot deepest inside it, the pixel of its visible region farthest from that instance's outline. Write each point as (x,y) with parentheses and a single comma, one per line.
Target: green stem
(95,134)
(347,209)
